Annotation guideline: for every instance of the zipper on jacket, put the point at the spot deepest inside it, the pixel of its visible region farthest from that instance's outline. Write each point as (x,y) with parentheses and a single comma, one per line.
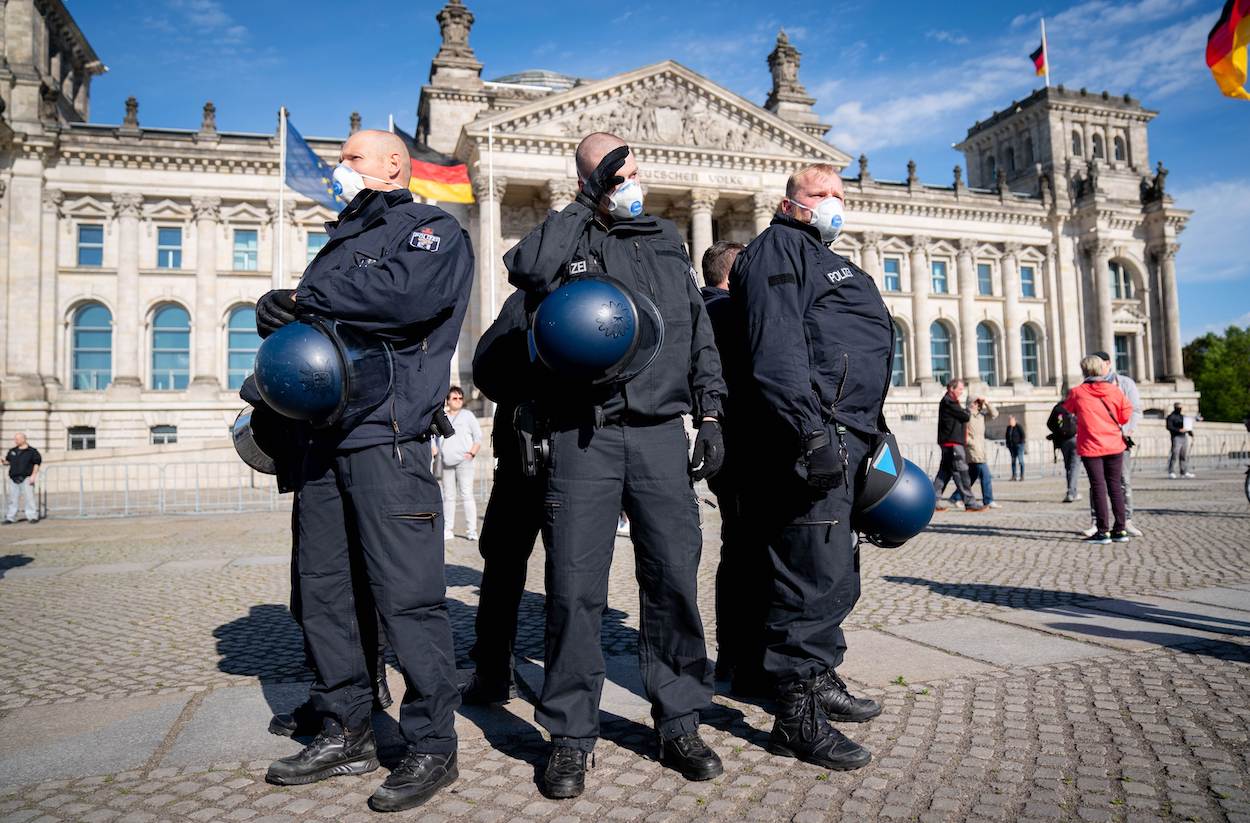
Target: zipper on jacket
(846,367)
(395,431)
(425,347)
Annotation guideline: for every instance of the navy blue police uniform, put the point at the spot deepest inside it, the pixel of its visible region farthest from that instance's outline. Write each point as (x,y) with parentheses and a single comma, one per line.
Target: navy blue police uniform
(368,503)
(624,447)
(819,342)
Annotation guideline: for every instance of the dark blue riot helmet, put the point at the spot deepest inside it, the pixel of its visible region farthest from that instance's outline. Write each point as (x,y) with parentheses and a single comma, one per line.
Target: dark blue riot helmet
(596,330)
(324,372)
(895,501)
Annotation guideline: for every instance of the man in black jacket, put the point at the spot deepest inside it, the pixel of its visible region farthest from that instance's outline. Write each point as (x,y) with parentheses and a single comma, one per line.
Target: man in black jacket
(819,345)
(952,436)
(368,504)
(623,447)
(1062,425)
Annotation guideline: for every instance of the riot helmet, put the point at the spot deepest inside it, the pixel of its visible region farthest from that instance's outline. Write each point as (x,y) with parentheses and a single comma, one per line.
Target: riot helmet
(895,498)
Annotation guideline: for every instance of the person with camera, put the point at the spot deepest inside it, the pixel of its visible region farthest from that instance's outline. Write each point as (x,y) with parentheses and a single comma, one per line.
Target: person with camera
(621,446)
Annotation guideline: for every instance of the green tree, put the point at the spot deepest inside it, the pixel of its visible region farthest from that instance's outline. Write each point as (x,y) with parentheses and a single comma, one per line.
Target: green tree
(1219,365)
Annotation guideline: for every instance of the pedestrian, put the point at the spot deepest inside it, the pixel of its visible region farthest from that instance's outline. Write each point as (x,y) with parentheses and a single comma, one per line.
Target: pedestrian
(952,437)
(1015,440)
(459,453)
(24,462)
(978,464)
(623,447)
(1127,385)
(819,348)
(368,503)
(1101,409)
(1181,432)
(1062,426)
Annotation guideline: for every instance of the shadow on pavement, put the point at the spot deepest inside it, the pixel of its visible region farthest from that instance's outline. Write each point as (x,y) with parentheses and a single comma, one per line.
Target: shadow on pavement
(266,644)
(13,561)
(1002,531)
(1193,513)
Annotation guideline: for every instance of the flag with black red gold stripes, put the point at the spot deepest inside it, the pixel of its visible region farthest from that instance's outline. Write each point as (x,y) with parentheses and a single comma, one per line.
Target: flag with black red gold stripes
(436,176)
(1226,49)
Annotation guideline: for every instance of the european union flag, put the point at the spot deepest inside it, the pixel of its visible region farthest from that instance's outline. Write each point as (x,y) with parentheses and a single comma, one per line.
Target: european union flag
(307,173)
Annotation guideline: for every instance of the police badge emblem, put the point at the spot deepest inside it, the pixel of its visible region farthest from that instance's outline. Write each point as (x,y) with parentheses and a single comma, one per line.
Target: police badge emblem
(425,240)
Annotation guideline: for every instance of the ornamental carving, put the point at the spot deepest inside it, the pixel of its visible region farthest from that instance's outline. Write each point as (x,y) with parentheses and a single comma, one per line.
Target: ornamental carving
(482,190)
(52,200)
(703,199)
(206,208)
(560,193)
(128,205)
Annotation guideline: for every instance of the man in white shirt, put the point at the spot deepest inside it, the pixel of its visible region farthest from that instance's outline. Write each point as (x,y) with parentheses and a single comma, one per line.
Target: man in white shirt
(459,453)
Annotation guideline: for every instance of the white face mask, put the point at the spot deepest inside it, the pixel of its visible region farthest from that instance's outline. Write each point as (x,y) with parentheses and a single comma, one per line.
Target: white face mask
(626,201)
(347,182)
(826,217)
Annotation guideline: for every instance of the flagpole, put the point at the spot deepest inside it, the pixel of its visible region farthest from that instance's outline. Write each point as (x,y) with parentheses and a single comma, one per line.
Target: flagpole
(1045,53)
(279,273)
(390,123)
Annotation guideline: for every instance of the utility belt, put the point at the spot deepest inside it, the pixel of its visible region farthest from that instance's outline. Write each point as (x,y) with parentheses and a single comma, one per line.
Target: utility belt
(534,427)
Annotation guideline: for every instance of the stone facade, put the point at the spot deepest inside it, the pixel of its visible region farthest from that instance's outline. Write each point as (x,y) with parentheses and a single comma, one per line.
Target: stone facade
(1061,240)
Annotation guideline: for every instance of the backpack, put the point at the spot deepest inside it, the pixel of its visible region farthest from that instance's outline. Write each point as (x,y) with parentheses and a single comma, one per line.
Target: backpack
(1062,426)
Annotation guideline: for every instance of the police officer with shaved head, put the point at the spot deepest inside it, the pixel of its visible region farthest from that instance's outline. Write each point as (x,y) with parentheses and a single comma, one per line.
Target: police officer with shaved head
(819,346)
(621,446)
(398,273)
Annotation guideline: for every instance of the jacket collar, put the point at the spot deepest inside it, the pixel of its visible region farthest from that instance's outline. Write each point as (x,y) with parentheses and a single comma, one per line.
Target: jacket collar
(366,210)
(811,231)
(642,224)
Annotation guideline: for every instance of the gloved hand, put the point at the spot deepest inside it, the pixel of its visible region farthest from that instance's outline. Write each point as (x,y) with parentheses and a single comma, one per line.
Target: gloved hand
(709,451)
(823,465)
(274,310)
(604,178)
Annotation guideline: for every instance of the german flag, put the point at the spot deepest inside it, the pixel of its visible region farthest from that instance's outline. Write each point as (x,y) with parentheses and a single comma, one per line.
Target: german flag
(436,176)
(1226,48)
(1039,59)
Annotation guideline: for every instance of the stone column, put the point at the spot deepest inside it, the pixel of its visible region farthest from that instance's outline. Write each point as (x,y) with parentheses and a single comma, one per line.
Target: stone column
(560,193)
(490,239)
(206,364)
(49,332)
(967,284)
(1139,357)
(128,324)
(1054,331)
(870,259)
(1147,366)
(763,207)
(920,309)
(1174,365)
(702,201)
(1011,314)
(1101,256)
(25,188)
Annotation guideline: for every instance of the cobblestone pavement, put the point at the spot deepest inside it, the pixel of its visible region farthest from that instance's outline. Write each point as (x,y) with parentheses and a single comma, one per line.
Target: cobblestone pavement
(164,621)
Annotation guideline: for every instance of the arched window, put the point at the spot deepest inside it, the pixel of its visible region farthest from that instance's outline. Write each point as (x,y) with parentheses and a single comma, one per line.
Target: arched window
(1028,355)
(241,345)
(898,376)
(991,170)
(987,355)
(171,348)
(1011,159)
(1098,151)
(1077,149)
(1121,281)
(940,351)
(91,360)
(1120,152)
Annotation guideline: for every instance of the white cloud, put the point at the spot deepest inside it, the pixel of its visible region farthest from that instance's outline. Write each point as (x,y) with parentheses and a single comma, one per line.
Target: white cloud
(943,36)
(1215,246)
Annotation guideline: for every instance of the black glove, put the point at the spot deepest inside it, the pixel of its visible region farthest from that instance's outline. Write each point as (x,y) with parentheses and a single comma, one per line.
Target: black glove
(604,178)
(823,465)
(709,451)
(274,310)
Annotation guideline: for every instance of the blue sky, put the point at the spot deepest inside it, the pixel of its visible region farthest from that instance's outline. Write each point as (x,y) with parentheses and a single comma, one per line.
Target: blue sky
(898,80)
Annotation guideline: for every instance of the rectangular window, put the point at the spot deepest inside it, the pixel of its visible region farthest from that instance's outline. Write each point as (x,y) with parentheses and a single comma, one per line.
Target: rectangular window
(893,280)
(162,435)
(316,242)
(90,245)
(1028,282)
(245,250)
(985,279)
(939,277)
(1123,354)
(169,248)
(81,438)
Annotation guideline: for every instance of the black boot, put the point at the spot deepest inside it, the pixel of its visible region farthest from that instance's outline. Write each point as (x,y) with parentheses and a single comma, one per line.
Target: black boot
(565,775)
(414,781)
(336,751)
(480,690)
(802,731)
(303,721)
(688,754)
(838,704)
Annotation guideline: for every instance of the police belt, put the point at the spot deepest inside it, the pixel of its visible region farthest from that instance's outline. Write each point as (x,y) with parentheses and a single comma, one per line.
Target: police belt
(594,418)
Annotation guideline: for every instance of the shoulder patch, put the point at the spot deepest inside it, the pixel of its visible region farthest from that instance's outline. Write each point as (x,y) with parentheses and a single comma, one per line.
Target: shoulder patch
(424,239)
(838,275)
(782,279)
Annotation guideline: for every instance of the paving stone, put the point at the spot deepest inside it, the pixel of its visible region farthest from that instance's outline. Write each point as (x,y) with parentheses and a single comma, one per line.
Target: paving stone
(876,659)
(996,643)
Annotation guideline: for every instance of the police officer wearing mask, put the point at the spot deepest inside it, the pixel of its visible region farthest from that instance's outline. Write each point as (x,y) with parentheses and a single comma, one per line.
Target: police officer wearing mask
(624,447)
(820,345)
(368,503)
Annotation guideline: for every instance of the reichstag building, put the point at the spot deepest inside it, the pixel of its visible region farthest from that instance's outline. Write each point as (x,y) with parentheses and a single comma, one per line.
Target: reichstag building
(132,255)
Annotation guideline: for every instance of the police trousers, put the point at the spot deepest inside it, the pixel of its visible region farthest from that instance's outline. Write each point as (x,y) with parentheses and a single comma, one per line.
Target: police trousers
(594,475)
(368,515)
(514,518)
(815,564)
(742,577)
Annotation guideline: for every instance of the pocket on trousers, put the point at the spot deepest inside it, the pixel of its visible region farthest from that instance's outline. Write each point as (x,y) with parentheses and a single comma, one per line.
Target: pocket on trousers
(420,515)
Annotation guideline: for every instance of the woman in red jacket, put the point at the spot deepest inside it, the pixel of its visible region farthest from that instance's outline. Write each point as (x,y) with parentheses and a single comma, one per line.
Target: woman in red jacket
(1101,410)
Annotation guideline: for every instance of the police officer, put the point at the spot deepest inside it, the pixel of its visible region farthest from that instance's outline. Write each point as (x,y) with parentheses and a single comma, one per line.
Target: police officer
(368,503)
(819,342)
(624,447)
